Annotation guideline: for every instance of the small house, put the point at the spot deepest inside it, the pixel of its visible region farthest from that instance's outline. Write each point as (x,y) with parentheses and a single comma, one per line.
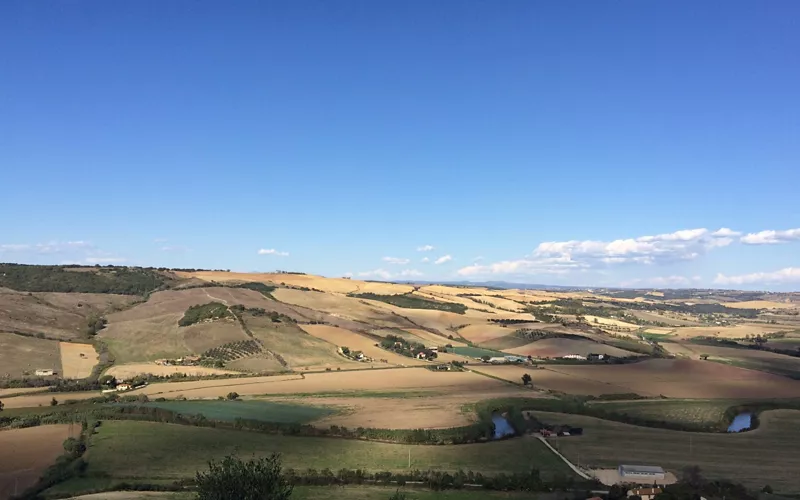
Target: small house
(123,387)
(44,373)
(645,493)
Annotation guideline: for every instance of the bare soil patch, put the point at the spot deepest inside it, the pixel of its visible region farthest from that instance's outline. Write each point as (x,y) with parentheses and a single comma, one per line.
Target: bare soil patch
(77,360)
(27,453)
(20,355)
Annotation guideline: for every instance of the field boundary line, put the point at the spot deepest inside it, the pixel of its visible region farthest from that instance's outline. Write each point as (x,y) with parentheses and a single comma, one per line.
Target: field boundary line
(572,466)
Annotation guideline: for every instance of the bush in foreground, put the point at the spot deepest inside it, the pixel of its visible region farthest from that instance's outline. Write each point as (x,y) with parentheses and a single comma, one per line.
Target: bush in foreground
(255,479)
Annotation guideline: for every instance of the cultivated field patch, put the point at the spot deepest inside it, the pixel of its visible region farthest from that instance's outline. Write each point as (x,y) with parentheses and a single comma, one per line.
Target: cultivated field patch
(770,451)
(229,411)
(77,360)
(130,370)
(558,347)
(340,337)
(27,453)
(21,355)
(483,332)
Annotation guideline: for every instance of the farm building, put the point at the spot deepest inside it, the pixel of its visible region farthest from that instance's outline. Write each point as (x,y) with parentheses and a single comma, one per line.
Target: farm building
(644,493)
(44,373)
(634,472)
(574,356)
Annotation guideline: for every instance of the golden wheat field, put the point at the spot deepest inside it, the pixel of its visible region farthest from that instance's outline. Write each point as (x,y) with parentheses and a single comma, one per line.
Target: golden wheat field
(77,360)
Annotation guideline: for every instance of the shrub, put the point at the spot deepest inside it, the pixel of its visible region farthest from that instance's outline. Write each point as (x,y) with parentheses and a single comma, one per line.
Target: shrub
(255,479)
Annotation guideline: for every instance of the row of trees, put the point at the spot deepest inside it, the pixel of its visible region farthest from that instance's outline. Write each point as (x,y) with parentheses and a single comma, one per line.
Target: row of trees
(406,347)
(409,301)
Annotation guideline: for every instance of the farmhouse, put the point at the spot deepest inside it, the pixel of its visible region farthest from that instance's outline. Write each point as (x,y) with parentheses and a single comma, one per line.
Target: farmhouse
(644,493)
(44,373)
(640,472)
(574,356)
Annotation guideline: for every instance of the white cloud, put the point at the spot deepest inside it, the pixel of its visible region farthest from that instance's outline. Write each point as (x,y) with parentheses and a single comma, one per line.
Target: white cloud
(686,244)
(104,260)
(443,259)
(174,248)
(786,275)
(46,248)
(771,237)
(396,260)
(425,248)
(388,275)
(272,251)
(725,232)
(550,265)
(426,259)
(348,274)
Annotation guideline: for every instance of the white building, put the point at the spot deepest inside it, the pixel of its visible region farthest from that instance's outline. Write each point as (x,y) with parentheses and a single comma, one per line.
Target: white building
(574,356)
(640,472)
(44,373)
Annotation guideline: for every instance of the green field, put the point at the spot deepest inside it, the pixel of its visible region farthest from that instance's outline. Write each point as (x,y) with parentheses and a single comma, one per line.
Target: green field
(682,411)
(476,352)
(765,456)
(146,451)
(228,411)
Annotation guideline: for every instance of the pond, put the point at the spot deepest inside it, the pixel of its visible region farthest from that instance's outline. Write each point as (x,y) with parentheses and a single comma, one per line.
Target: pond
(501,426)
(742,422)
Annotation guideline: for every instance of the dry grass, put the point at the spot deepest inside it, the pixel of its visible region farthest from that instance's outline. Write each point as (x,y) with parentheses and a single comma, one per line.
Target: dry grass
(681,378)
(550,380)
(59,315)
(484,332)
(44,398)
(150,330)
(399,379)
(20,355)
(599,320)
(557,347)
(130,370)
(77,360)
(340,337)
(368,312)
(739,331)
(760,304)
(433,339)
(336,285)
(767,455)
(27,453)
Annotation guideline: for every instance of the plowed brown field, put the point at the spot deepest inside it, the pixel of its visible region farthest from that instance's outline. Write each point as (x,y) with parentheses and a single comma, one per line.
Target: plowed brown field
(27,453)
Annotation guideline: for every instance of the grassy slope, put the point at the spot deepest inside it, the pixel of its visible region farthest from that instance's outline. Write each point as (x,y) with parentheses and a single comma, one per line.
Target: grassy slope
(20,354)
(764,456)
(144,451)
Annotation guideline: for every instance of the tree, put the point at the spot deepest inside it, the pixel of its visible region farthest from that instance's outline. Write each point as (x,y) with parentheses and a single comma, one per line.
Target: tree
(53,402)
(526,379)
(486,358)
(232,396)
(767,489)
(255,479)
(108,380)
(397,495)
(1,406)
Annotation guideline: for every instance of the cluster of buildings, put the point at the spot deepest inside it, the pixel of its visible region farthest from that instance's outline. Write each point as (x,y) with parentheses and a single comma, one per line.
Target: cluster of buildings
(184,361)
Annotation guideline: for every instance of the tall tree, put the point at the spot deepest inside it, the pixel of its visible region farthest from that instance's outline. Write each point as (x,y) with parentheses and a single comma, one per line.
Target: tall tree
(255,479)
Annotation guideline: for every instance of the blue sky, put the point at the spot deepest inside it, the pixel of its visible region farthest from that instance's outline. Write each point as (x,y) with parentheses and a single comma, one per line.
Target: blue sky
(585,143)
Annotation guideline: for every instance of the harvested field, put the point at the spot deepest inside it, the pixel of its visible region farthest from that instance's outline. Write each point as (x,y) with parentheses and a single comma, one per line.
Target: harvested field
(729,332)
(27,453)
(298,348)
(479,333)
(599,320)
(150,330)
(550,380)
(439,411)
(43,399)
(671,319)
(771,450)
(363,311)
(433,339)
(336,285)
(498,302)
(20,355)
(557,347)
(21,390)
(760,304)
(130,370)
(753,359)
(56,315)
(77,360)
(154,451)
(339,337)
(678,378)
(418,379)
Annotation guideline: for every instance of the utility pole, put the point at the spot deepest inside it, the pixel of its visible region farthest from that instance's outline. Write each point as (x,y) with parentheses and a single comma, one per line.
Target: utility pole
(409,457)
